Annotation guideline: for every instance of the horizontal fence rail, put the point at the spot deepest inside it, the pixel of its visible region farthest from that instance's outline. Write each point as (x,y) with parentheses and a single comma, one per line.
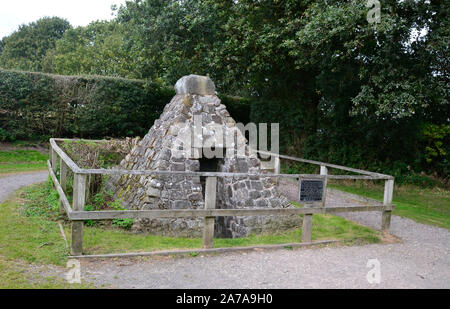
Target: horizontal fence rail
(77,214)
(102,171)
(195,213)
(339,167)
(62,195)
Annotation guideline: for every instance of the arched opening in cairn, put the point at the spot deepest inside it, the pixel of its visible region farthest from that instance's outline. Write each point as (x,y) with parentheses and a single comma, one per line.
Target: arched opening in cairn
(210,165)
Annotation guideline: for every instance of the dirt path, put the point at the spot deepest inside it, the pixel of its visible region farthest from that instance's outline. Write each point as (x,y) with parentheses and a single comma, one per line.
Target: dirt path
(421,260)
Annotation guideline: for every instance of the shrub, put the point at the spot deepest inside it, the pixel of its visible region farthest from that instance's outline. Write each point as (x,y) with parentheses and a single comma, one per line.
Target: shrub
(39,106)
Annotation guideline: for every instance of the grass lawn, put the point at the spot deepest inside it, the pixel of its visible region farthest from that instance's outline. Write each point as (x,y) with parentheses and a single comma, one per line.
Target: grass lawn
(327,227)
(14,161)
(424,205)
(28,231)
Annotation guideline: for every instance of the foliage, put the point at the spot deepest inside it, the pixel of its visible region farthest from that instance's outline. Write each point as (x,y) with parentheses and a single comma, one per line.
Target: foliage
(37,106)
(96,49)
(26,47)
(104,200)
(93,155)
(238,107)
(48,205)
(126,223)
(98,154)
(169,39)
(437,149)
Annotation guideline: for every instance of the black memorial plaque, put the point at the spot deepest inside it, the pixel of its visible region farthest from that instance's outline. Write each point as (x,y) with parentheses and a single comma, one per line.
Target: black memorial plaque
(311,190)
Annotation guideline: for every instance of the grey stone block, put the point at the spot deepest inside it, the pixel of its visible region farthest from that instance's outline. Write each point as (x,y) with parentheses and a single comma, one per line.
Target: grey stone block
(177,167)
(154,192)
(254,194)
(262,203)
(195,196)
(257,185)
(181,204)
(195,84)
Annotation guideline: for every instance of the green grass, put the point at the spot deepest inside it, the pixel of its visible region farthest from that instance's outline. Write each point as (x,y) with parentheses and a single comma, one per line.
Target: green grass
(14,161)
(328,227)
(28,231)
(33,239)
(425,205)
(27,235)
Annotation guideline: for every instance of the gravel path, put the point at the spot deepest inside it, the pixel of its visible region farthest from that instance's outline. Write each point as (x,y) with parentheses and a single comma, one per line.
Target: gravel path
(9,184)
(421,260)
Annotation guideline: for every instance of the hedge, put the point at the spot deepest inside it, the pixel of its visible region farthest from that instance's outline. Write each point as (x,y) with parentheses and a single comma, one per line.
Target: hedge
(38,106)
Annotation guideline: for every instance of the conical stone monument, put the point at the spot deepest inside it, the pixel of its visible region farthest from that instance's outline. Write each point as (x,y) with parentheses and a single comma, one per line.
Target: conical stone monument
(185,138)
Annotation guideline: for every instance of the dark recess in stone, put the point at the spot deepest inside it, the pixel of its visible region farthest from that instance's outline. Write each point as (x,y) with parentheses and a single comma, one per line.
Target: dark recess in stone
(209,165)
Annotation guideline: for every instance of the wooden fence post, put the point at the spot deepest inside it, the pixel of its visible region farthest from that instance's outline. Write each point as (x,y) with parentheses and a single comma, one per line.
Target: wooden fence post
(63,182)
(307,228)
(277,168)
(387,201)
(79,195)
(89,179)
(324,171)
(210,203)
(54,158)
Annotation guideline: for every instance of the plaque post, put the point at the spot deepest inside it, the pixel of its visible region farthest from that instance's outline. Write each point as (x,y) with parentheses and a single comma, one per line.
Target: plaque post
(324,171)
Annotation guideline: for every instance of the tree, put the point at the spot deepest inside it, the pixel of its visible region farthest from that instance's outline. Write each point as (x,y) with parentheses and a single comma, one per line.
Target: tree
(380,80)
(96,49)
(168,38)
(25,48)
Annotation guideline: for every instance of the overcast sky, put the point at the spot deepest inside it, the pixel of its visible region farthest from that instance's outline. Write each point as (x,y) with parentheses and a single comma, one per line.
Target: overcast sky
(78,12)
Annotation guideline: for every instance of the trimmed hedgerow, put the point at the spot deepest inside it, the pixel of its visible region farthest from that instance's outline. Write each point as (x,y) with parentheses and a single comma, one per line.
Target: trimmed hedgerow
(37,105)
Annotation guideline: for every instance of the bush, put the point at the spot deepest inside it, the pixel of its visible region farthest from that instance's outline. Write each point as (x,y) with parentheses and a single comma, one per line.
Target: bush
(239,108)
(92,155)
(39,106)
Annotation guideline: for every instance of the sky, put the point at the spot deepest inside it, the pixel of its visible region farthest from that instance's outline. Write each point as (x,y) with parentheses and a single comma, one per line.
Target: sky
(78,12)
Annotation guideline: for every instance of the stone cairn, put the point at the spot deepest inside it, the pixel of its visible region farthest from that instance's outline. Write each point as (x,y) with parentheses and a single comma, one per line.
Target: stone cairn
(164,149)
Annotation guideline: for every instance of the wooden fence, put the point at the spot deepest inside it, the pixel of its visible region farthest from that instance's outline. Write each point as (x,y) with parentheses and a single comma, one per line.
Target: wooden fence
(78,215)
